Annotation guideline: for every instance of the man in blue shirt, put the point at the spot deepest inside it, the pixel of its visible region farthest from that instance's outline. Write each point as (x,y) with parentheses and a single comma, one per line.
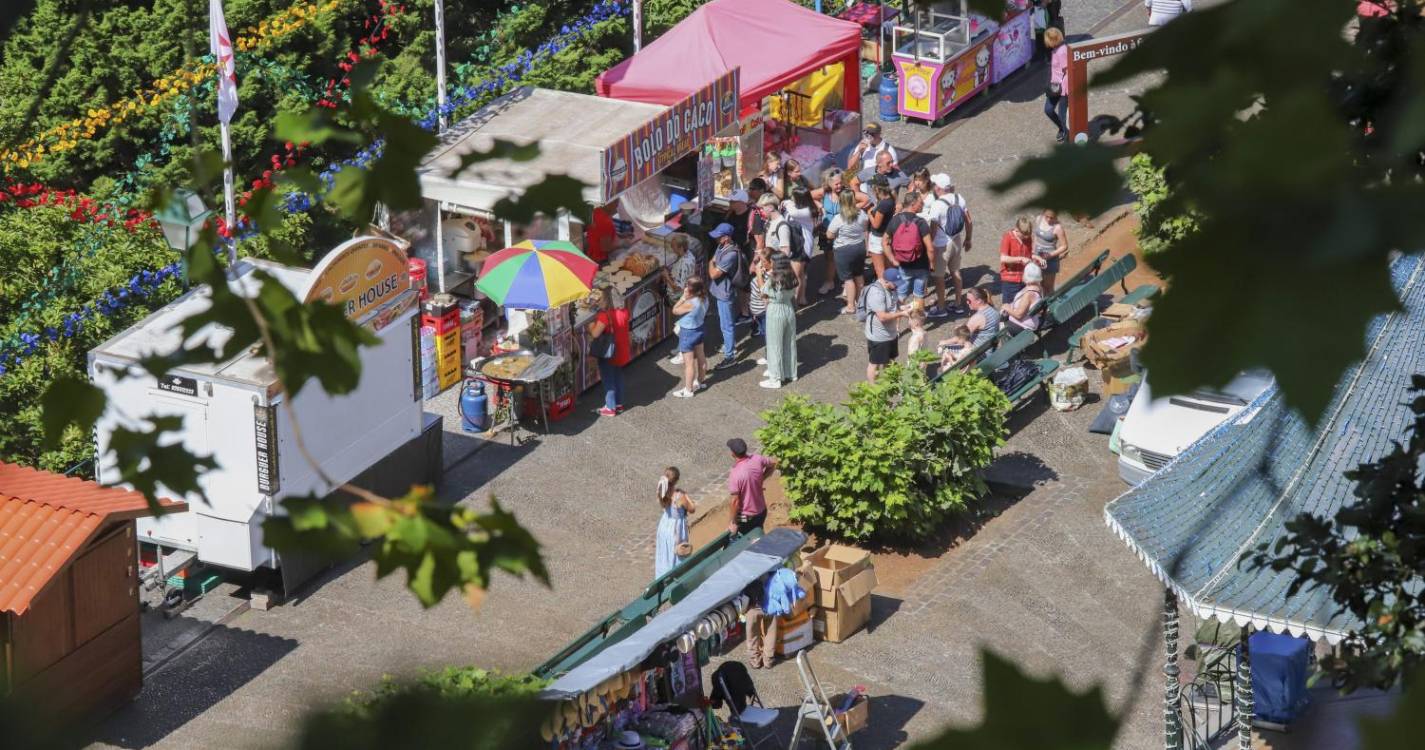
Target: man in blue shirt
(722,268)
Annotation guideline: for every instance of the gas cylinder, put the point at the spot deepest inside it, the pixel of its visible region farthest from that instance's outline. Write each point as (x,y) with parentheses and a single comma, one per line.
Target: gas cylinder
(889,92)
(474,415)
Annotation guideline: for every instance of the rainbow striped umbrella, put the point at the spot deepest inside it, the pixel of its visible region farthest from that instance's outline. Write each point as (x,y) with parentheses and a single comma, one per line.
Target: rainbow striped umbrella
(537,275)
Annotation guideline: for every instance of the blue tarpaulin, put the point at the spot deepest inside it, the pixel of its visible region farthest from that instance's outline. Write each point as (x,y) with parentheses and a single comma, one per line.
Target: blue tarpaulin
(1279,669)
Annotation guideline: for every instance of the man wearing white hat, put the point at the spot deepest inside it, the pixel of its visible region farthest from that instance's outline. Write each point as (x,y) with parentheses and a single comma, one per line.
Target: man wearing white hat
(950,218)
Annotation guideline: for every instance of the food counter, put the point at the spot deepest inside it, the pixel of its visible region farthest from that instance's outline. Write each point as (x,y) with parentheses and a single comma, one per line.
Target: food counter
(943,61)
(645,297)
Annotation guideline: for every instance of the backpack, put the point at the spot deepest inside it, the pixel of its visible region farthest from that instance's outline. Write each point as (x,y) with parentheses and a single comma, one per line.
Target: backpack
(862,311)
(1013,375)
(906,240)
(740,278)
(796,241)
(954,218)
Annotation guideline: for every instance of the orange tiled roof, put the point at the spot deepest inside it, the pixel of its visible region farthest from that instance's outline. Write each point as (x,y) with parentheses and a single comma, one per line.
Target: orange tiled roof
(45,519)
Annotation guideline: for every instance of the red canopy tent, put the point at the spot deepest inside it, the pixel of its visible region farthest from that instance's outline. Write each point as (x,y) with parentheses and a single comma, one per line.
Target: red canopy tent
(775,41)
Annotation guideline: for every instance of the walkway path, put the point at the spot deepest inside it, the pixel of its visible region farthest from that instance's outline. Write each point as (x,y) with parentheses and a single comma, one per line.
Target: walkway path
(1044,582)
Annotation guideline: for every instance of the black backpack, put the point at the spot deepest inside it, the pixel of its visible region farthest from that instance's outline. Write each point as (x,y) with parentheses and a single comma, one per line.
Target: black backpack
(1013,375)
(740,278)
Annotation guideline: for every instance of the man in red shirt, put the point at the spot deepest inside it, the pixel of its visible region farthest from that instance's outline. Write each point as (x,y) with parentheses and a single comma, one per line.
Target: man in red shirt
(600,235)
(1016,251)
(748,502)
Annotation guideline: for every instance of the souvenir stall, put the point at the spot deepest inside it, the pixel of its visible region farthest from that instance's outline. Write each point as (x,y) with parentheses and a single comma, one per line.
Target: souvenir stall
(650,681)
(942,57)
(635,160)
(800,92)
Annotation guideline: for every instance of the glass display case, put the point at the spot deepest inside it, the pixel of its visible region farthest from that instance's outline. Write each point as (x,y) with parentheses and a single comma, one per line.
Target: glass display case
(939,35)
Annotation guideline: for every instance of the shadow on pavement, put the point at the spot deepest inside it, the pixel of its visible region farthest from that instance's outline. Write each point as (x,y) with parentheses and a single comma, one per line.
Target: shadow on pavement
(214,669)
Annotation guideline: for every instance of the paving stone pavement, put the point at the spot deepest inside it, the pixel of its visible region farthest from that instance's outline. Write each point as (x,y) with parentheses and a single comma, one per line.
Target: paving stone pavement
(1044,581)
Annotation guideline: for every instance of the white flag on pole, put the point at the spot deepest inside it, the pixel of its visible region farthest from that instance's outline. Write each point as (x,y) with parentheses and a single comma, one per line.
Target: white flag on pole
(222,48)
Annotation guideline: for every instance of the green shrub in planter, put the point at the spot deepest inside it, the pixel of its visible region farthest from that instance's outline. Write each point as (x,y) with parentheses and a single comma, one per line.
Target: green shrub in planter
(456,683)
(892,463)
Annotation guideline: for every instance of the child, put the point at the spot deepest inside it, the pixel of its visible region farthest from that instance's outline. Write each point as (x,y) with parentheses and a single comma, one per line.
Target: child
(916,317)
(757,296)
(955,348)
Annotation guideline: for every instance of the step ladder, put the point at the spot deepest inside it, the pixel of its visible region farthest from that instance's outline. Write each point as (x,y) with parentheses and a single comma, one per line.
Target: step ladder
(816,709)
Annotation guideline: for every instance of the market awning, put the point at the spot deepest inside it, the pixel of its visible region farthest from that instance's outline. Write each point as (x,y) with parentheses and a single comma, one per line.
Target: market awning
(766,554)
(776,43)
(1234,489)
(571,129)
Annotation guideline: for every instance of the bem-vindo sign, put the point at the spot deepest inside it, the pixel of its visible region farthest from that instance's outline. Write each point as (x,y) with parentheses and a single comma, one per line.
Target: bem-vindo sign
(671,135)
(1080,55)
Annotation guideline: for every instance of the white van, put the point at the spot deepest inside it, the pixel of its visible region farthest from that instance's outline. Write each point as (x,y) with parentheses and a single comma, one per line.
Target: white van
(1156,430)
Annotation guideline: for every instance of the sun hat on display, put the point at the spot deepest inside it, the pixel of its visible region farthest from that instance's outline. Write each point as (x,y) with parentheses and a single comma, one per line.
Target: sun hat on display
(630,741)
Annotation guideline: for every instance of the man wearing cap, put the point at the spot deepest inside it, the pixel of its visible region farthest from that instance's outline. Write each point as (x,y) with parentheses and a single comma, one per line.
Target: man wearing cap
(872,145)
(950,221)
(722,268)
(748,501)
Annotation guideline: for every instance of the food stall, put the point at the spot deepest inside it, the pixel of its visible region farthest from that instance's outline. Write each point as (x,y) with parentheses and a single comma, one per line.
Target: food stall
(799,91)
(637,160)
(942,59)
(376,436)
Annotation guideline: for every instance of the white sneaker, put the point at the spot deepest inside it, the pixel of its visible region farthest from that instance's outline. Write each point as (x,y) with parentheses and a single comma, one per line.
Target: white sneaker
(682,393)
(770,383)
(676,359)
(762,360)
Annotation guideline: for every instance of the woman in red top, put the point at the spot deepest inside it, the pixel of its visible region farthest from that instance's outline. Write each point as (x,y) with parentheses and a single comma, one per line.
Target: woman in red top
(1015,252)
(612,353)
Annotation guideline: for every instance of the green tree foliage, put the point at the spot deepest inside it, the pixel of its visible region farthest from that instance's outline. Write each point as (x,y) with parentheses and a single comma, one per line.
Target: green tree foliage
(54,265)
(1157,229)
(895,461)
(1371,558)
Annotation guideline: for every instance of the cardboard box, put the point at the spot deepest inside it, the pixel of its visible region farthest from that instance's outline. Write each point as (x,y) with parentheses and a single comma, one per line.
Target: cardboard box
(833,565)
(1118,311)
(807,581)
(851,610)
(854,718)
(1103,357)
(1114,384)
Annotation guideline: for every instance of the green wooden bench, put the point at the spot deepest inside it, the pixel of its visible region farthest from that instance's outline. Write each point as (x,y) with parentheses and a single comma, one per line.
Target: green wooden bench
(1086,295)
(1011,349)
(1139,293)
(1082,276)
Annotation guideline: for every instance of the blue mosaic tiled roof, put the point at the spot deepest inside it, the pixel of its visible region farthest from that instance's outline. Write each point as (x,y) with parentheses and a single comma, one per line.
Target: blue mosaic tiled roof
(1238,485)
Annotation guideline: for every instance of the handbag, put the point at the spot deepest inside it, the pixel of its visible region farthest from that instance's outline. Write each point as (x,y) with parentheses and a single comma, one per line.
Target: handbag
(603,347)
(683,549)
(1054,90)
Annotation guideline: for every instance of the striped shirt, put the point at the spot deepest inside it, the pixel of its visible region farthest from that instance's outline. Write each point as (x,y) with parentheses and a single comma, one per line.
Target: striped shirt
(990,315)
(1163,11)
(756,298)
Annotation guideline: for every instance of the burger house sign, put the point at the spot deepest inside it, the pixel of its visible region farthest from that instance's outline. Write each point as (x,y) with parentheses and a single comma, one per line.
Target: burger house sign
(367,277)
(671,135)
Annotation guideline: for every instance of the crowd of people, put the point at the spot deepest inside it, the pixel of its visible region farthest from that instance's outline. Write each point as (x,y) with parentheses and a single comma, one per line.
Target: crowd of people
(892,246)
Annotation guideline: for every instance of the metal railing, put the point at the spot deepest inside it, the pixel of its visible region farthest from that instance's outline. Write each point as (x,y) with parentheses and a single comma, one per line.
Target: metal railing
(1208,704)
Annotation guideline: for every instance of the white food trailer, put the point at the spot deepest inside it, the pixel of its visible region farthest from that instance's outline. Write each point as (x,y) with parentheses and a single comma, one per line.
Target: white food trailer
(377,436)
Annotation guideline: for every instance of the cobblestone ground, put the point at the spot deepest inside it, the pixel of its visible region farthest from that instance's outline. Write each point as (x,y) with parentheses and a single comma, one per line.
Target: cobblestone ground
(1044,582)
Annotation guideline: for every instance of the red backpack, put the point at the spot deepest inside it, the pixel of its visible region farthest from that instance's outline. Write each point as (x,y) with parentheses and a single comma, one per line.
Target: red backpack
(907,242)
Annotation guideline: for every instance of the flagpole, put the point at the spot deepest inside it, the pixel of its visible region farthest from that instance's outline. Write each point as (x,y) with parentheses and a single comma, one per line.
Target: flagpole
(439,254)
(637,26)
(228,205)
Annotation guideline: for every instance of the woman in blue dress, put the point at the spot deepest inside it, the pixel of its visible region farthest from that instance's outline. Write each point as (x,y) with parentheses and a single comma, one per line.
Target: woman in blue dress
(673,546)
